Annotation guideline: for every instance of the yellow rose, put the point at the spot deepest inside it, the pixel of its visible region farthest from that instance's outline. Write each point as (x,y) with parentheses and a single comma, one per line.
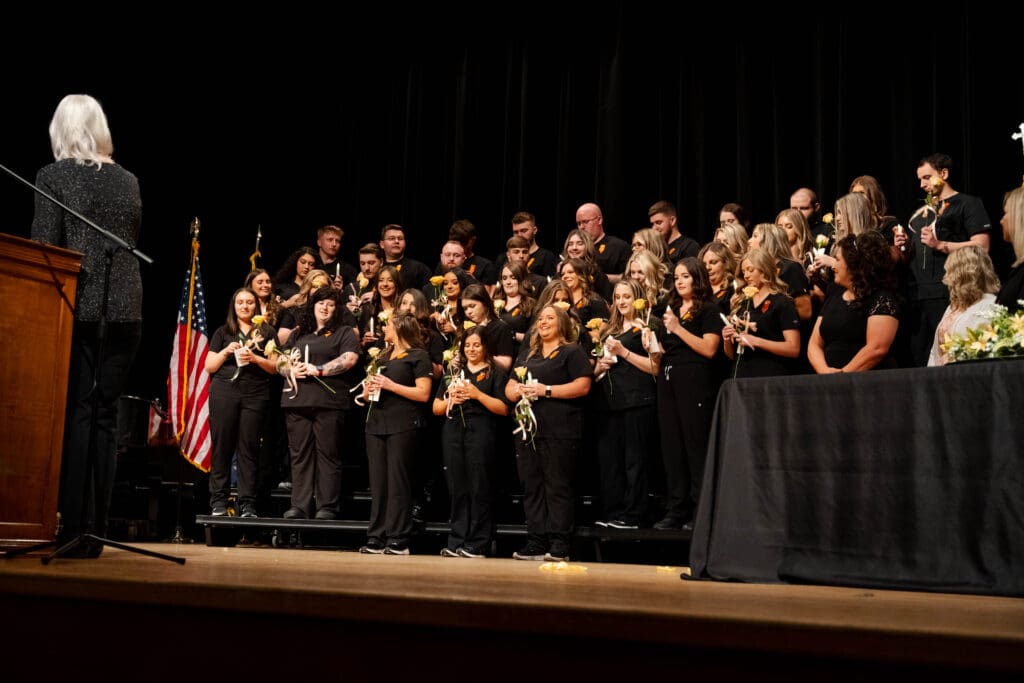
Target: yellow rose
(639,304)
(499,304)
(373,352)
(468,325)
(821,241)
(594,324)
(270,348)
(437,280)
(257,320)
(937,184)
(564,305)
(362,280)
(448,355)
(521,372)
(828,218)
(383,316)
(749,291)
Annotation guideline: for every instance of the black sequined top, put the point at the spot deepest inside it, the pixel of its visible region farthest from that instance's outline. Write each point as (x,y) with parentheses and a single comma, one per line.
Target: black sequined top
(109,196)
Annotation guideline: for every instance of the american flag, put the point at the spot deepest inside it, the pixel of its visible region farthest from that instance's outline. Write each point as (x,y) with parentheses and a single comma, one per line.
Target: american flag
(189,384)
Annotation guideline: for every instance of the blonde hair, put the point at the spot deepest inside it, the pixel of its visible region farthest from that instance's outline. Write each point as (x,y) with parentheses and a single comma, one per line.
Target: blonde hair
(567,330)
(857,215)
(79,131)
(653,242)
(735,238)
(617,320)
(969,275)
(803,243)
(763,261)
(655,273)
(1013,206)
(773,240)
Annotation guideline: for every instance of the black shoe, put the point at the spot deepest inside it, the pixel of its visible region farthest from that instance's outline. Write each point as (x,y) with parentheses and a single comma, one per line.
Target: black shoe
(688,526)
(397,549)
(448,552)
(601,522)
(619,524)
(531,551)
(669,523)
(372,547)
(294,513)
(219,511)
(472,553)
(559,553)
(248,511)
(417,514)
(326,514)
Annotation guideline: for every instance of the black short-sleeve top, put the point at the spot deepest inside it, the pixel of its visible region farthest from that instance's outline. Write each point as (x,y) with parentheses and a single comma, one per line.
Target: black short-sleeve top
(844,324)
(557,418)
(330,392)
(490,381)
(251,379)
(394,414)
(626,386)
(708,320)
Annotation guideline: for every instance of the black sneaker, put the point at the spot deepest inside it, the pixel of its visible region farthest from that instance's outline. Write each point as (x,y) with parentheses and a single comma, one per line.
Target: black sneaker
(294,513)
(669,523)
(558,553)
(619,524)
(471,554)
(531,551)
(448,552)
(324,513)
(249,511)
(372,547)
(219,511)
(396,549)
(601,522)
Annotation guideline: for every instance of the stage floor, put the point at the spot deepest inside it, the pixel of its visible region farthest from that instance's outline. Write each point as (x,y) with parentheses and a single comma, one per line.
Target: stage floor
(590,606)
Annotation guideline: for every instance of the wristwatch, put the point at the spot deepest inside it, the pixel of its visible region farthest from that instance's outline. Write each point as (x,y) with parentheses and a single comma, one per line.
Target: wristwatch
(547,391)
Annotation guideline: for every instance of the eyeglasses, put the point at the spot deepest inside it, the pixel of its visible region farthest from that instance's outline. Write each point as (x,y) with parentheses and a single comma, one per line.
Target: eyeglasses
(585,221)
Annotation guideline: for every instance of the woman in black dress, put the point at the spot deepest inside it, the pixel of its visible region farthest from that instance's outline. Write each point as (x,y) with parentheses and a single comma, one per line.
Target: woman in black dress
(473,403)
(478,309)
(239,397)
(392,426)
(517,299)
(315,413)
(561,378)
(85,177)
(858,320)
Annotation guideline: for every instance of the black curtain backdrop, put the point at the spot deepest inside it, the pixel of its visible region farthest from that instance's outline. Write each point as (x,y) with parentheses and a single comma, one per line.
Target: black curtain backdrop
(425,116)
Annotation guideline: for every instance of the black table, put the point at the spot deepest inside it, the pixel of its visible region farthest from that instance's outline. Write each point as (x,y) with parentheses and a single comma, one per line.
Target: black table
(905,479)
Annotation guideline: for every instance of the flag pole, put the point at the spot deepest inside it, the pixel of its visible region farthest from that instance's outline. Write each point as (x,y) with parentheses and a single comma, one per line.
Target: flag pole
(194,229)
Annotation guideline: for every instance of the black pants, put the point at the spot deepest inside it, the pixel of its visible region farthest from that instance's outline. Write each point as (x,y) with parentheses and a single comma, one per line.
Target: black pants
(923,318)
(470,457)
(625,437)
(237,414)
(85,497)
(390,459)
(686,404)
(316,461)
(546,471)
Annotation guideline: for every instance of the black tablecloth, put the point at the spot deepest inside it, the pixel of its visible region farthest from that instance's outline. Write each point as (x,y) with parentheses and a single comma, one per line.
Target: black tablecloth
(905,479)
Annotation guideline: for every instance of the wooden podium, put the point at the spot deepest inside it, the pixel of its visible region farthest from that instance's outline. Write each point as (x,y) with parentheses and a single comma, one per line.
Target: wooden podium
(38,284)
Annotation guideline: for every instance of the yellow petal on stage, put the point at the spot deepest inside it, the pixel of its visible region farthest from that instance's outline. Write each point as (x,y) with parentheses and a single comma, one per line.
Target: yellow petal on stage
(562,568)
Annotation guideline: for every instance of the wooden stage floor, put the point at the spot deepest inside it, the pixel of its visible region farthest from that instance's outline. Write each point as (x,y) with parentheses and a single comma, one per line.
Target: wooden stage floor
(269,612)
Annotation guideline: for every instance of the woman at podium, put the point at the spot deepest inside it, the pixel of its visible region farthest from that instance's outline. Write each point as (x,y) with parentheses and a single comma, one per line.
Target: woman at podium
(85,177)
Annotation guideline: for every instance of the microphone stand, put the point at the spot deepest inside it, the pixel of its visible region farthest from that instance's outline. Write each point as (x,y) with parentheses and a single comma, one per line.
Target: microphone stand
(93,495)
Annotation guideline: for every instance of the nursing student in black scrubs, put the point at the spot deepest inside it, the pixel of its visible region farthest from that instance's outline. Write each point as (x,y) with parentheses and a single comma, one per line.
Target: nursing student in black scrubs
(858,321)
(561,373)
(392,425)
(315,414)
(473,403)
(625,400)
(239,397)
(773,338)
(687,387)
